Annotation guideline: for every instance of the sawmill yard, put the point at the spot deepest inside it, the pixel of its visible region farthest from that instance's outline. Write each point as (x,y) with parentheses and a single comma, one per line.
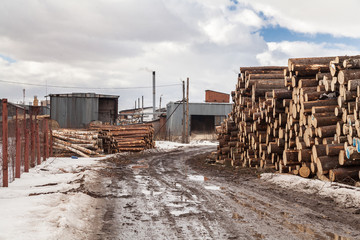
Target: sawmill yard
(173,192)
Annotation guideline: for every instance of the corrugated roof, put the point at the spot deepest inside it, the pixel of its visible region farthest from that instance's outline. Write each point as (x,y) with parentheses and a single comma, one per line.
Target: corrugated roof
(84,95)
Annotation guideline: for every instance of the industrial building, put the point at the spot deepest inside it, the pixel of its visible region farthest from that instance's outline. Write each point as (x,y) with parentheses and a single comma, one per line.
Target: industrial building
(77,110)
(203,117)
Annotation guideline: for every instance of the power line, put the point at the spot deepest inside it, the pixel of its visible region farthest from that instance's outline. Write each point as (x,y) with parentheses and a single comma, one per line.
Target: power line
(109,88)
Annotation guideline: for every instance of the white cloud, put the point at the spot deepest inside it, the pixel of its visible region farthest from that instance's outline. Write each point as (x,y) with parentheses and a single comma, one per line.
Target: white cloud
(308,16)
(114,44)
(279,52)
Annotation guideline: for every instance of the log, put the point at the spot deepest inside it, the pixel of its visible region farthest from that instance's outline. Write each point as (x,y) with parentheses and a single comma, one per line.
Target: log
(61,146)
(348,74)
(304,172)
(266,76)
(327,102)
(75,146)
(318,151)
(326,131)
(341,174)
(334,149)
(290,156)
(351,63)
(304,155)
(325,121)
(73,139)
(326,163)
(353,84)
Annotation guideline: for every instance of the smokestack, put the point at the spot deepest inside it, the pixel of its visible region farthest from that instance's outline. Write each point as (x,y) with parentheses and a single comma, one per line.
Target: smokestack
(24,96)
(154,95)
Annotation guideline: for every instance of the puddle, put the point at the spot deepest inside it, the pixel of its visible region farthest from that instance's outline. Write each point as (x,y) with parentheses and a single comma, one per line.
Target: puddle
(185,212)
(198,178)
(140,166)
(212,187)
(150,193)
(236,216)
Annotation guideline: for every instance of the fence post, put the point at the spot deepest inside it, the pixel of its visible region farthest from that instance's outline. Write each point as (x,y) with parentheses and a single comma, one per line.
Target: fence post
(32,149)
(37,141)
(51,144)
(46,138)
(26,151)
(18,146)
(5,143)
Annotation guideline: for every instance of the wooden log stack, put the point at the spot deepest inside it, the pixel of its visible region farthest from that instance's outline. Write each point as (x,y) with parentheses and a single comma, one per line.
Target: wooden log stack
(309,125)
(125,138)
(76,142)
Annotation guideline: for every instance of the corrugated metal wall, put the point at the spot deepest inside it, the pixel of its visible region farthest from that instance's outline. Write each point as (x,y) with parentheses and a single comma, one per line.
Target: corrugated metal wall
(174,123)
(74,112)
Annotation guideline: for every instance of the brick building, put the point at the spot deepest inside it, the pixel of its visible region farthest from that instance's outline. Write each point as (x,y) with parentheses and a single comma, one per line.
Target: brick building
(216,97)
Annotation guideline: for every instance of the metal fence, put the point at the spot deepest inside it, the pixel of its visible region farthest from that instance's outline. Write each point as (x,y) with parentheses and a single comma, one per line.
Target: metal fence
(25,141)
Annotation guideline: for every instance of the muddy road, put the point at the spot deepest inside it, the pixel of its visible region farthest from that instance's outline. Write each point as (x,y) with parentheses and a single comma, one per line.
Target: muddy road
(176,195)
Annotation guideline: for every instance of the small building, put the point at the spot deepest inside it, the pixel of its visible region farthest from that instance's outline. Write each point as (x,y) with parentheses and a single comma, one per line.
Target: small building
(213,97)
(77,110)
(203,117)
(136,115)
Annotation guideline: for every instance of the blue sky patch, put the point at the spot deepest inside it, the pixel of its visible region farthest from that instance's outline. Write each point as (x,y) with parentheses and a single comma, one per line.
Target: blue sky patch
(278,34)
(233,7)
(8,59)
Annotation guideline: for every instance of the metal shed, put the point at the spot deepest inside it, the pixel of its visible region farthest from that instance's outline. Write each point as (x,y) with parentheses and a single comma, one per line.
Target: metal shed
(203,117)
(77,110)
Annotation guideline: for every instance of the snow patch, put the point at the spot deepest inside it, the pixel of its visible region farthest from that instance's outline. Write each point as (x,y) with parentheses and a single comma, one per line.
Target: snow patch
(167,145)
(345,195)
(34,206)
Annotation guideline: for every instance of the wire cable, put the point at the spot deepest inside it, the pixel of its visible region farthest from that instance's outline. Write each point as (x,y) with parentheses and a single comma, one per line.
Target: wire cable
(102,88)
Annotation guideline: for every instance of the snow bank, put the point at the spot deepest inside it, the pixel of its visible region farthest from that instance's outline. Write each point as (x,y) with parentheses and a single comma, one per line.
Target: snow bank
(167,145)
(35,206)
(345,195)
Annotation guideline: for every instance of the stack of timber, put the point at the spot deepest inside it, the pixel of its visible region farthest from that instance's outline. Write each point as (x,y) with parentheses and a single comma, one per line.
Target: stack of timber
(126,138)
(79,142)
(247,137)
(309,125)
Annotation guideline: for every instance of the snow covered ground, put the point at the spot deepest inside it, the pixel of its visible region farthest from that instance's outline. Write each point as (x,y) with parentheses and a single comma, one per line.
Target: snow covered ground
(344,195)
(35,206)
(166,145)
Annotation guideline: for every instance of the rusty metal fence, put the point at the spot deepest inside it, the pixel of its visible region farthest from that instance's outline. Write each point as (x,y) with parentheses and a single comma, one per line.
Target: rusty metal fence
(25,140)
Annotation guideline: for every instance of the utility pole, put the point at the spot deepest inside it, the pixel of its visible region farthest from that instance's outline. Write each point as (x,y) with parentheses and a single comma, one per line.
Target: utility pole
(24,96)
(142,108)
(154,95)
(187,110)
(183,105)
(160,102)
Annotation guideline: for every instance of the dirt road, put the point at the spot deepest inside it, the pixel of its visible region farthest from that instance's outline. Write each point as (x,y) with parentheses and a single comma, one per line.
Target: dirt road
(174,195)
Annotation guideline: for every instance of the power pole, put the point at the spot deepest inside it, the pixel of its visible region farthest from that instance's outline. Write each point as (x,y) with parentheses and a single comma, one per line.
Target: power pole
(142,109)
(154,96)
(160,103)
(187,111)
(183,105)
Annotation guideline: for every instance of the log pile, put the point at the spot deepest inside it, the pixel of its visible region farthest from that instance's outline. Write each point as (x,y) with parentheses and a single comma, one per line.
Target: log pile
(125,138)
(79,142)
(307,125)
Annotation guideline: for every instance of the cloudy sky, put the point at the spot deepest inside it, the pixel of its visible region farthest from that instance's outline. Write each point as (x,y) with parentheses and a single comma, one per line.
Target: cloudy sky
(111,46)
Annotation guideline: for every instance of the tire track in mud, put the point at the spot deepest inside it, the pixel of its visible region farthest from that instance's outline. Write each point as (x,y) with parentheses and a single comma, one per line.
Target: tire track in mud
(168,199)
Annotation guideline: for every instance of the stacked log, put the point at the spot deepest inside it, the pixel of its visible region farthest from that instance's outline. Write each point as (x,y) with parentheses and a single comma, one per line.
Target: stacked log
(308,126)
(79,142)
(125,138)
(246,138)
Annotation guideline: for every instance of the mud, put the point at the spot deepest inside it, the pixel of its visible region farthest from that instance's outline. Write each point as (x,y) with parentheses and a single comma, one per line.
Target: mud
(178,195)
